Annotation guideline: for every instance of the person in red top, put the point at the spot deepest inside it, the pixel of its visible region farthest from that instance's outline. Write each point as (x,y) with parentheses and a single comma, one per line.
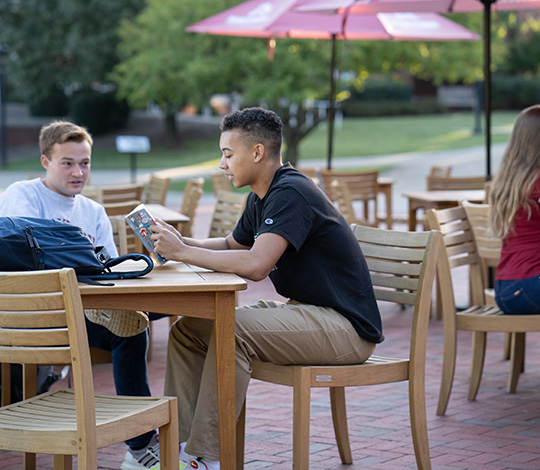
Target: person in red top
(515,217)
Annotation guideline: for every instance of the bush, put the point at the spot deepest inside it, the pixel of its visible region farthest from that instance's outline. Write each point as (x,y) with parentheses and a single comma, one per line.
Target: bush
(352,108)
(383,90)
(99,112)
(54,104)
(514,92)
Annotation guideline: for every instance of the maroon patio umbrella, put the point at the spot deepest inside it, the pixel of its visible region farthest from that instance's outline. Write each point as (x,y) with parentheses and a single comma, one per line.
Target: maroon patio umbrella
(278,18)
(350,7)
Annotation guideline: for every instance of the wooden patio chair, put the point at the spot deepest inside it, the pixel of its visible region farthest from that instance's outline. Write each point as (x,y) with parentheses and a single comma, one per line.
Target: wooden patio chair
(362,187)
(479,318)
(42,322)
(402,267)
(190,203)
(113,194)
(220,182)
(440,171)
(341,195)
(156,190)
(120,208)
(452,183)
(227,211)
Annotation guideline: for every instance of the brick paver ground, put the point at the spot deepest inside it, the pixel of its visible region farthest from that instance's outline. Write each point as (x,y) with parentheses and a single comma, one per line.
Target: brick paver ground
(498,431)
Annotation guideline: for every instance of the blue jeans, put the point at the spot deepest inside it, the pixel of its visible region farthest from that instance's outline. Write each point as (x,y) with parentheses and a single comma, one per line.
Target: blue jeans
(129,367)
(520,296)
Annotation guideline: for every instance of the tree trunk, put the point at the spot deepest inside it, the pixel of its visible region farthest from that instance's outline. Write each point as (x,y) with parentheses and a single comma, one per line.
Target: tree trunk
(172,136)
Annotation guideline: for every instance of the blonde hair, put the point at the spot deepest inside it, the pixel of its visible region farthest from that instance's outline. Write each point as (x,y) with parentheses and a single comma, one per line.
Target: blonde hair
(59,132)
(519,170)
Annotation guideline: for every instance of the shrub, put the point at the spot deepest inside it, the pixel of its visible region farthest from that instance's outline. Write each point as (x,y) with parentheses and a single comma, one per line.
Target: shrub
(352,108)
(98,112)
(54,104)
(514,92)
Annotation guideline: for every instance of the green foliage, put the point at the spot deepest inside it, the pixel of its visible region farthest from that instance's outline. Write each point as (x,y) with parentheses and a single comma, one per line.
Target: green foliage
(361,108)
(171,67)
(514,92)
(59,42)
(55,103)
(98,112)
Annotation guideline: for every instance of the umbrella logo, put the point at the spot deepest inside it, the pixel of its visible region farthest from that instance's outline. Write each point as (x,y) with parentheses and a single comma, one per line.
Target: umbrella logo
(257,15)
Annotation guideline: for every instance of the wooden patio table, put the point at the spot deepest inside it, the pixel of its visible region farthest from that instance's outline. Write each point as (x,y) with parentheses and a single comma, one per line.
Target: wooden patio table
(439,200)
(182,289)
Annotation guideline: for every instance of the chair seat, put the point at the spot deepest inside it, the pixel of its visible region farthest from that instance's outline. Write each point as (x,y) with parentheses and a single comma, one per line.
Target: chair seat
(33,418)
(489,318)
(375,370)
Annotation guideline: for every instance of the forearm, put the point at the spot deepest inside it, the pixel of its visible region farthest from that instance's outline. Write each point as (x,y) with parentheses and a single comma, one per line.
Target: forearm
(208,243)
(242,262)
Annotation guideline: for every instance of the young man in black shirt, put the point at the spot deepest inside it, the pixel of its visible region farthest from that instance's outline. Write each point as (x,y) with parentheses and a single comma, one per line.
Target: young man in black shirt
(291,232)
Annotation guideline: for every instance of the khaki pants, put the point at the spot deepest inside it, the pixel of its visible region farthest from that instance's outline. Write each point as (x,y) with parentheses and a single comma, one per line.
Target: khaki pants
(282,333)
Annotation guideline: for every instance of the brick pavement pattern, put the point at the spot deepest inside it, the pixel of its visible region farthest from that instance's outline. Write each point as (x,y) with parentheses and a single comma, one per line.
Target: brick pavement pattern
(498,431)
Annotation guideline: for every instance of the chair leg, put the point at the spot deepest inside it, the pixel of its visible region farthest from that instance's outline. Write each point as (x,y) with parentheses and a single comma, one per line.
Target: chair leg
(301,411)
(63,462)
(506,347)
(477,362)
(448,370)
(29,461)
(419,430)
(240,438)
(168,440)
(517,358)
(339,418)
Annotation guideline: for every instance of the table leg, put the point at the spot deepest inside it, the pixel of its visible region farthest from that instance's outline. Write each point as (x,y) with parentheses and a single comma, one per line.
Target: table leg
(225,372)
(412,216)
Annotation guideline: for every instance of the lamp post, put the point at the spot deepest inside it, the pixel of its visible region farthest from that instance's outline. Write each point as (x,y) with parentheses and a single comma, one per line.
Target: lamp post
(3,132)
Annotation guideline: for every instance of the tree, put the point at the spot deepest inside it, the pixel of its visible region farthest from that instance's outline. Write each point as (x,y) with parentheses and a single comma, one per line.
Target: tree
(164,64)
(58,43)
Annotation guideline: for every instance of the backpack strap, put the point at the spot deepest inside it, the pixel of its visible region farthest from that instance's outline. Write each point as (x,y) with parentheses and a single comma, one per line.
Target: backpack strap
(108,274)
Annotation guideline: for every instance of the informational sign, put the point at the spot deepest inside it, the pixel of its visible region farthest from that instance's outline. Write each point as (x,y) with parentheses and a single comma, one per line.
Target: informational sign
(132,144)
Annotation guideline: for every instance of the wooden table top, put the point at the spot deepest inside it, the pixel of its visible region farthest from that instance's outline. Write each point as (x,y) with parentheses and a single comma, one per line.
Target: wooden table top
(166,213)
(171,277)
(450,196)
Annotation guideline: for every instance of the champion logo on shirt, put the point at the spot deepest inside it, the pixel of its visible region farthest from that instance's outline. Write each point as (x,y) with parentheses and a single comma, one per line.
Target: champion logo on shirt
(269,221)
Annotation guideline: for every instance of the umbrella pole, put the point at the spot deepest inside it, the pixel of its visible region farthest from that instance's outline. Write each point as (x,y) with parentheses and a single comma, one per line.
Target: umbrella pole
(487,82)
(331,105)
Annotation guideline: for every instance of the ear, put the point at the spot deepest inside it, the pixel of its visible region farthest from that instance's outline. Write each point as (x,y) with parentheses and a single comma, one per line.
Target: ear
(45,162)
(259,152)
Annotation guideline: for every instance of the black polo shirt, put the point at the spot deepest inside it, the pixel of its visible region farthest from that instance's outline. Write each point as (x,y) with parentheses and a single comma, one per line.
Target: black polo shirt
(323,264)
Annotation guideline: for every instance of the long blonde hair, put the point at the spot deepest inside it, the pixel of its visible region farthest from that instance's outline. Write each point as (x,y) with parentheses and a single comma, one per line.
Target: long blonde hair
(519,169)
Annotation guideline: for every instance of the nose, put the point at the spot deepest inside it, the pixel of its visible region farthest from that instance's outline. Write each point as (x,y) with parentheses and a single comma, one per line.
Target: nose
(78,170)
(223,163)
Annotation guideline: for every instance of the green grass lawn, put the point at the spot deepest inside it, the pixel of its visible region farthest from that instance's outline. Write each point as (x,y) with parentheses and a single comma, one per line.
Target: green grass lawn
(357,137)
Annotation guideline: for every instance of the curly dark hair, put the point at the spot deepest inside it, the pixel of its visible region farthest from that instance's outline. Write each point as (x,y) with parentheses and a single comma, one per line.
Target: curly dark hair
(259,126)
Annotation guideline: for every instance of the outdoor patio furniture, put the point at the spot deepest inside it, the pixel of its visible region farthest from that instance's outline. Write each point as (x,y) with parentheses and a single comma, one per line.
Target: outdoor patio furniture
(43,323)
(220,181)
(227,211)
(114,193)
(156,190)
(190,202)
(362,187)
(120,208)
(451,183)
(402,266)
(461,250)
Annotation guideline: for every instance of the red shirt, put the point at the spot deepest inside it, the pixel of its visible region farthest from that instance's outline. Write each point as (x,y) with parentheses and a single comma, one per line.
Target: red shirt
(520,254)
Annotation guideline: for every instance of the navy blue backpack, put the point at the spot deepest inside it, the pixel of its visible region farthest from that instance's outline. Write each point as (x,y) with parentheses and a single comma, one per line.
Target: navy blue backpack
(30,243)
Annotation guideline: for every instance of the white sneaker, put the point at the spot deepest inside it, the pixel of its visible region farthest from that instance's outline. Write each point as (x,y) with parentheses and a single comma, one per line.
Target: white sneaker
(123,323)
(201,463)
(185,458)
(146,458)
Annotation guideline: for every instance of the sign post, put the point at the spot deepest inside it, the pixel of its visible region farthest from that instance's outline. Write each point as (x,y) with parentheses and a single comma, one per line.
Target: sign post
(133,144)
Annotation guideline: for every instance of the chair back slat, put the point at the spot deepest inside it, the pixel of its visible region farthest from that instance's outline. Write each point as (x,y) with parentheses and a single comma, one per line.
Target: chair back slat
(156,190)
(227,211)
(441,183)
(220,182)
(113,194)
(423,248)
(190,203)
